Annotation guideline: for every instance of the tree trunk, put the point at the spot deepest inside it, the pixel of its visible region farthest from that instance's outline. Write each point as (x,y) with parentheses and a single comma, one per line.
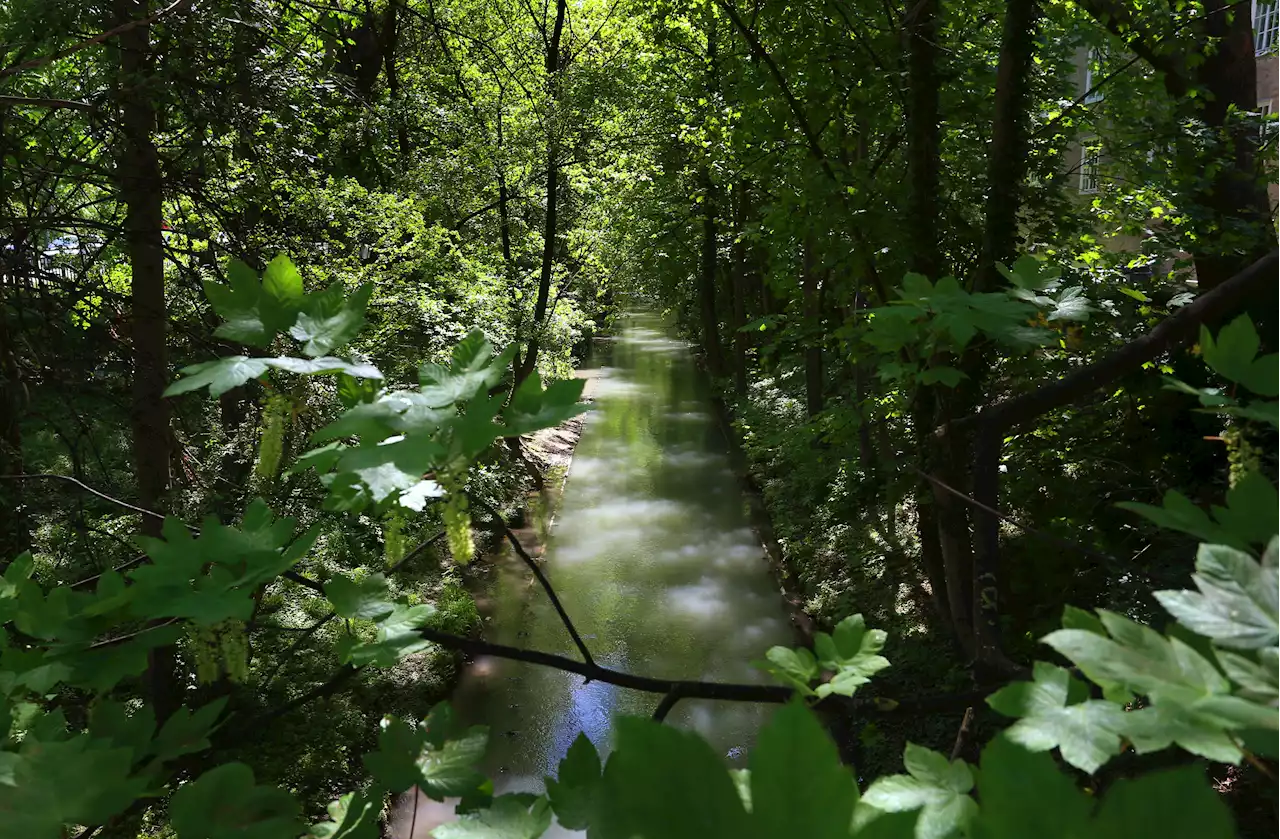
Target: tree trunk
(811,294)
(552,64)
(390,41)
(923,160)
(939,526)
(738,291)
(710,234)
(15,533)
(1236,195)
(140,186)
(707,279)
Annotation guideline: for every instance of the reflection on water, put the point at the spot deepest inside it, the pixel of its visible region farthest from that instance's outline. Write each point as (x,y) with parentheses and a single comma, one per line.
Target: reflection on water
(653,558)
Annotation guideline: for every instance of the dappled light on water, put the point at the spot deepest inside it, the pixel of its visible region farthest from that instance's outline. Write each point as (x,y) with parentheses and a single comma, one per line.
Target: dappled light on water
(654,560)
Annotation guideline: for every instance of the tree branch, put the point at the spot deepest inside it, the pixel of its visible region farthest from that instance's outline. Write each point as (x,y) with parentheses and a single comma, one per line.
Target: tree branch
(96,39)
(1182,326)
(41,102)
(685,689)
(542,580)
(289,575)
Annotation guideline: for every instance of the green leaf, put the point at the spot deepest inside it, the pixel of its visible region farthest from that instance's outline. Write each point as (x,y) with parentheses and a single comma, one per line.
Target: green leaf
(572,792)
(1071,305)
(185,732)
(852,653)
(253,315)
(1190,701)
(1252,513)
(473,369)
(1025,795)
(1263,376)
(508,817)
(533,408)
(366,599)
(949,376)
(1178,513)
(327,365)
(355,815)
(212,578)
(1073,618)
(440,766)
(226,803)
(795,667)
(1231,353)
(329,319)
(1087,733)
(1255,680)
(940,789)
(397,638)
(219,376)
(1171,804)
(798,785)
(76,781)
(282,281)
(1236,604)
(663,783)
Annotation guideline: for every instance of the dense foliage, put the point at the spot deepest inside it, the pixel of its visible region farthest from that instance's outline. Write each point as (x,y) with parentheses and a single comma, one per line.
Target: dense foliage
(987,290)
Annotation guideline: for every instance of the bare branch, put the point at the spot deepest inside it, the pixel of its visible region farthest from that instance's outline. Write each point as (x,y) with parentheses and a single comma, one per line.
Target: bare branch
(542,580)
(40,102)
(289,575)
(864,703)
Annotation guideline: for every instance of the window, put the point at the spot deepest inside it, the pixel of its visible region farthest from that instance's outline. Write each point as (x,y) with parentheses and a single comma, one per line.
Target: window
(1092,63)
(1266,125)
(1266,20)
(1090,151)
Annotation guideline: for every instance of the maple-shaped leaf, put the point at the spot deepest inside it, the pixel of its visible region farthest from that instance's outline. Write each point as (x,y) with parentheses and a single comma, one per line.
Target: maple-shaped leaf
(224,374)
(1190,701)
(852,651)
(1258,680)
(512,816)
(356,815)
(330,319)
(795,667)
(220,375)
(798,786)
(367,599)
(397,638)
(255,312)
(572,792)
(1237,602)
(663,783)
(937,787)
(473,368)
(436,756)
(533,408)
(1052,715)
(226,803)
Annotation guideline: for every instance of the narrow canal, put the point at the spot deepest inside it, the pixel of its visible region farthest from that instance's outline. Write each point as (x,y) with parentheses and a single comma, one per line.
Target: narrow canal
(653,558)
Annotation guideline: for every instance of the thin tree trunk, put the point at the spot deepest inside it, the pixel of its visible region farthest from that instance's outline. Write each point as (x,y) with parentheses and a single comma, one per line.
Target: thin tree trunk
(15,533)
(1006,170)
(710,233)
(390,41)
(140,188)
(552,64)
(707,278)
(923,160)
(1236,194)
(738,291)
(811,294)
(940,528)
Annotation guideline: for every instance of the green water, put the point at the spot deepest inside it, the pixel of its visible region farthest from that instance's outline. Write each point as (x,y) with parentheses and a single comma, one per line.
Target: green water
(653,558)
